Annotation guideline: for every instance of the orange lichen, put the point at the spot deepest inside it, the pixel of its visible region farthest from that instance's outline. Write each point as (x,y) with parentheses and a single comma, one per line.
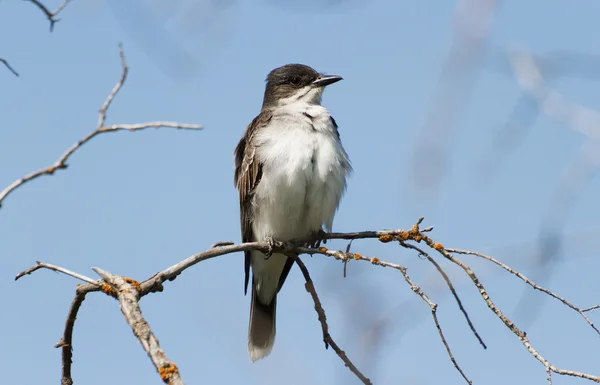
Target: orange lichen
(357,256)
(418,238)
(107,289)
(136,285)
(167,371)
(323,249)
(375,260)
(404,235)
(386,238)
(438,246)
(51,170)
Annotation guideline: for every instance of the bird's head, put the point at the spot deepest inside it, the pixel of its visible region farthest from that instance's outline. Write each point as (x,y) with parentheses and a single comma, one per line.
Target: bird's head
(293,83)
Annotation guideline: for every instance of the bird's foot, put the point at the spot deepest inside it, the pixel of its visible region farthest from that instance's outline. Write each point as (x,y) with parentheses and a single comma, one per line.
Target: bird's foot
(316,238)
(270,246)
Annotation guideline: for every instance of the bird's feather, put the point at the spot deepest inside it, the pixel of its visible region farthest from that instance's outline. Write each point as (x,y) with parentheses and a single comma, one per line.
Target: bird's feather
(248,171)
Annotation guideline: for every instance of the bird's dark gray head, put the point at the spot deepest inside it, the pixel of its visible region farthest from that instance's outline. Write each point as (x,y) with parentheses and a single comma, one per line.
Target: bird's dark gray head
(296,82)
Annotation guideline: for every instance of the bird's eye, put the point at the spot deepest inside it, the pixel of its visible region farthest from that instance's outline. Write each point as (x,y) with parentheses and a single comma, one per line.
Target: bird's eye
(295,80)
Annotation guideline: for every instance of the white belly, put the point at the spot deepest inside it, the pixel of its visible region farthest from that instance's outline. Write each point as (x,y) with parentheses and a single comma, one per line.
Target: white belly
(303,179)
(303,176)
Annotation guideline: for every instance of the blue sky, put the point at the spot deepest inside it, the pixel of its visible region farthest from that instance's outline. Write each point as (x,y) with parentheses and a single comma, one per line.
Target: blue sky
(135,203)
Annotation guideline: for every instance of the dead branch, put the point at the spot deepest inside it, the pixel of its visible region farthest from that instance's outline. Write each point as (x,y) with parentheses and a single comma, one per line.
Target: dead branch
(327,339)
(451,287)
(101,128)
(66,341)
(128,292)
(121,288)
(58,269)
(51,15)
(509,324)
(530,283)
(433,307)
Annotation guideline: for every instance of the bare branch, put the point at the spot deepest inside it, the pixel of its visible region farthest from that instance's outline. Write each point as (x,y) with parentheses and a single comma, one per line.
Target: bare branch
(65,343)
(130,308)
(10,68)
(50,15)
(42,265)
(61,163)
(345,257)
(450,286)
(115,90)
(530,283)
(509,324)
(128,294)
(433,307)
(310,288)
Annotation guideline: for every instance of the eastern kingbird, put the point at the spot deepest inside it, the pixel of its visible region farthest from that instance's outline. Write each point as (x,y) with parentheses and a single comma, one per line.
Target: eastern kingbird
(290,171)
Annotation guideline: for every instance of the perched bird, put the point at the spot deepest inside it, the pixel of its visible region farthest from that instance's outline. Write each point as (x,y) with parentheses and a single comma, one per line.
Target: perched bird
(290,171)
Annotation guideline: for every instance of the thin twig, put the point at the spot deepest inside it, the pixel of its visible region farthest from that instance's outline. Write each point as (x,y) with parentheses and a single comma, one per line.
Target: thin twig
(530,283)
(327,339)
(345,257)
(450,286)
(433,307)
(49,14)
(66,341)
(43,265)
(10,68)
(61,163)
(509,324)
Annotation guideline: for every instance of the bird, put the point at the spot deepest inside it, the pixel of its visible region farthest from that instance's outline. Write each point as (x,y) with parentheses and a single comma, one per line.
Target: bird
(291,172)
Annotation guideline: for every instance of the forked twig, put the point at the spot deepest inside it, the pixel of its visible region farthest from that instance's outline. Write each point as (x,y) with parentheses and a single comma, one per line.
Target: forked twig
(101,128)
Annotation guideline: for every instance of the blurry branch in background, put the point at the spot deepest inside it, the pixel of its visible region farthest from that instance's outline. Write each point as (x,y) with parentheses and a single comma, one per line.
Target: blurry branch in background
(180,36)
(473,20)
(101,128)
(449,103)
(128,292)
(49,14)
(10,68)
(533,74)
(549,67)
(576,175)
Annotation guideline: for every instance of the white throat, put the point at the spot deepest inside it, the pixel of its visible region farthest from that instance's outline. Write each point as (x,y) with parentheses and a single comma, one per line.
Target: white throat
(306,95)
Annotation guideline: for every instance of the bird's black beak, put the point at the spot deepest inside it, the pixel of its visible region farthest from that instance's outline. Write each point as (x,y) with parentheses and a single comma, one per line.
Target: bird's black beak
(325,80)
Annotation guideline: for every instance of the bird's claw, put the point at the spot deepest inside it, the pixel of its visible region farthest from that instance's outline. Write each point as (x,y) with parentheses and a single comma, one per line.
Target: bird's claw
(317,237)
(270,246)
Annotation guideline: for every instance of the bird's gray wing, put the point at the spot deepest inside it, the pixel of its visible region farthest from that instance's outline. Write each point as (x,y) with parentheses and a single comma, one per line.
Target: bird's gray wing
(248,171)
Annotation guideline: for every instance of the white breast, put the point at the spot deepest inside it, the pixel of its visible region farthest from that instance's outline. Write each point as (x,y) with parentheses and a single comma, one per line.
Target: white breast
(304,173)
(303,179)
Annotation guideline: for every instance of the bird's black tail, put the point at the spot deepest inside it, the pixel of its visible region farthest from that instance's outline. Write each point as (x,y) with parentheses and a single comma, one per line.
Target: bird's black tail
(261,331)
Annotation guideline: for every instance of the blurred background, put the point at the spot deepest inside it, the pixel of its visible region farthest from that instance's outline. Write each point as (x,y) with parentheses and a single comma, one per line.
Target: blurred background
(478,115)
